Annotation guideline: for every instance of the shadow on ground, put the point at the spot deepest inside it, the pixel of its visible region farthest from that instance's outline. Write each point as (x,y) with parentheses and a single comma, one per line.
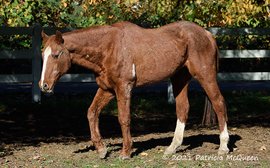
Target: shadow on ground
(62,119)
(192,142)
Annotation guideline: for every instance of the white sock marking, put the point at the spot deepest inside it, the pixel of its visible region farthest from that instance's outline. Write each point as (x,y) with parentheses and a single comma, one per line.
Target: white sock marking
(47,53)
(224,138)
(178,137)
(179,133)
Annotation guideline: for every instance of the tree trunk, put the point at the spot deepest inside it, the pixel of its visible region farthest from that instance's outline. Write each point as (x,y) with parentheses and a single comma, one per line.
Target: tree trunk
(209,116)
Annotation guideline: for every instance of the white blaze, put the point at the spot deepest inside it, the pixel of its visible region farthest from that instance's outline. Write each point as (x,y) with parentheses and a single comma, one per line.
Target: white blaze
(47,53)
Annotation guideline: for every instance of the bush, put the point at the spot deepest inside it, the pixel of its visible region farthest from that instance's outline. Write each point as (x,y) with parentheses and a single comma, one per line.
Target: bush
(149,13)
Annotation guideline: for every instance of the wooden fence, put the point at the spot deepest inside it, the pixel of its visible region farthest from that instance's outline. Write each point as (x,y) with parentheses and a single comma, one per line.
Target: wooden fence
(35,55)
(227,54)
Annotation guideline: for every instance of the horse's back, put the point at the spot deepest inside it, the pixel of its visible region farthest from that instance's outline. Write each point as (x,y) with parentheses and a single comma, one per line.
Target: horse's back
(158,53)
(155,53)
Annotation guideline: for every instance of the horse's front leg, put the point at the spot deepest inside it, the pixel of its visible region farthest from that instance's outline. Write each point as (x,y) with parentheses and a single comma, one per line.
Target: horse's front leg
(123,94)
(101,99)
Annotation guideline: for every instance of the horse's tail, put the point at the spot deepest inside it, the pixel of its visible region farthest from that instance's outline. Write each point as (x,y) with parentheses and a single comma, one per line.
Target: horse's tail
(217,55)
(217,69)
(213,41)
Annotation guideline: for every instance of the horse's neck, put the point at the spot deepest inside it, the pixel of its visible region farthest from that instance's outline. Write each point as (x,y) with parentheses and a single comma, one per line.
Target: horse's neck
(89,38)
(87,62)
(86,47)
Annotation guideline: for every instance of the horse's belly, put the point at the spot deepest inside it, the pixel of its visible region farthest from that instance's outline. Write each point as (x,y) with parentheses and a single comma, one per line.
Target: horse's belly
(150,79)
(154,71)
(158,58)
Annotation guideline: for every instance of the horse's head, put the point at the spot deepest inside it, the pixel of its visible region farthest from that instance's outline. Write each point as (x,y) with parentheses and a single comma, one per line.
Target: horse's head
(56,61)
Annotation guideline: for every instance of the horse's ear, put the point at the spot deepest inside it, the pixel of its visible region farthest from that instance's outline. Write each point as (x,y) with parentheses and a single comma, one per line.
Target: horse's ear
(58,37)
(44,36)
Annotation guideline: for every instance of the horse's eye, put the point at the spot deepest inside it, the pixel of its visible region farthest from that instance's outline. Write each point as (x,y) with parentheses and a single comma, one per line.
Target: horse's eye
(57,55)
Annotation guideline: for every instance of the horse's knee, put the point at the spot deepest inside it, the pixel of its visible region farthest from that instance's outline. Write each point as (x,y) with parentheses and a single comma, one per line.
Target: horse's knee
(124,120)
(92,116)
(124,117)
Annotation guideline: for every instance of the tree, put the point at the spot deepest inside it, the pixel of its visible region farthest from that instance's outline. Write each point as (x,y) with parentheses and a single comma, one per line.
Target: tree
(152,13)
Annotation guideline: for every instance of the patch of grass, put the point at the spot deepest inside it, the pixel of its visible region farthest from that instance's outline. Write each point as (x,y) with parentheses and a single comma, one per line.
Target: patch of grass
(153,160)
(248,103)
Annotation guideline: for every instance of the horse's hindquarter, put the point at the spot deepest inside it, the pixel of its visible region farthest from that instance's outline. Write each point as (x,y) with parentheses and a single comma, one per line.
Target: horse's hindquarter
(156,53)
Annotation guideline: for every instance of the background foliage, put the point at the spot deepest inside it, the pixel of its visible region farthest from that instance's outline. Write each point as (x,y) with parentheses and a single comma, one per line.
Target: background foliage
(148,13)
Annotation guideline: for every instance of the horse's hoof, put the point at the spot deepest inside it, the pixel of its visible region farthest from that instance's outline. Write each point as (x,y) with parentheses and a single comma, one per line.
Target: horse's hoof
(169,151)
(223,151)
(124,157)
(102,153)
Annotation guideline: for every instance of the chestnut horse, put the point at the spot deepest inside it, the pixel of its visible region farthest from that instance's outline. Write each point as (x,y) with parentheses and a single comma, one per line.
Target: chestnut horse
(124,56)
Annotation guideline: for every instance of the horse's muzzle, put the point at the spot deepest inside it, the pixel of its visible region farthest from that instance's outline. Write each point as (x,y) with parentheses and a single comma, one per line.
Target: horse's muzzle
(46,89)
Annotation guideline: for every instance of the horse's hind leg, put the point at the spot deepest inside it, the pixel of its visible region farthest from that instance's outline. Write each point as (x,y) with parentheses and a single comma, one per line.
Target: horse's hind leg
(180,89)
(208,80)
(102,98)
(212,90)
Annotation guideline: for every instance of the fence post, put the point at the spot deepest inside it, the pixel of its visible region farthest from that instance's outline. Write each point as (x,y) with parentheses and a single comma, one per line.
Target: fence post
(171,99)
(36,63)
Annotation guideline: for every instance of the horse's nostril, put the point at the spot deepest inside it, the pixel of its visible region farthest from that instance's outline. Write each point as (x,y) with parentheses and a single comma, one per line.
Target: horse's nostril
(45,86)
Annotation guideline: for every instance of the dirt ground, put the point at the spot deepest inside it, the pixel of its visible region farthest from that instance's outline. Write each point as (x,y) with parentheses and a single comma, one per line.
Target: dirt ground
(48,137)
(249,147)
